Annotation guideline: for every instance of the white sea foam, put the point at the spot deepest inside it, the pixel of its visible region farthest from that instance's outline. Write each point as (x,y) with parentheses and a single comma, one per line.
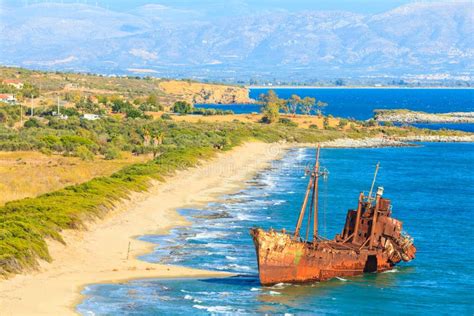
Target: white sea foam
(189,297)
(232,266)
(280,286)
(274,293)
(239,267)
(213,309)
(200,306)
(391,271)
(217,309)
(230,258)
(254,289)
(216,245)
(269,182)
(243,217)
(208,235)
(341,279)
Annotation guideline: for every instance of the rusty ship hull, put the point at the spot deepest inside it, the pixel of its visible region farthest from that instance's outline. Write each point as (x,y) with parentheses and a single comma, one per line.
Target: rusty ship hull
(281,259)
(371,241)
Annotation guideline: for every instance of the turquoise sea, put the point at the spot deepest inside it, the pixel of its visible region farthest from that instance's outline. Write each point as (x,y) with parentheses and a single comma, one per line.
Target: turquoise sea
(432,190)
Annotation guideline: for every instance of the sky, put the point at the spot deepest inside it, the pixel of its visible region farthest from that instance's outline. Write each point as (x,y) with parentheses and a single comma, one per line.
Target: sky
(224,6)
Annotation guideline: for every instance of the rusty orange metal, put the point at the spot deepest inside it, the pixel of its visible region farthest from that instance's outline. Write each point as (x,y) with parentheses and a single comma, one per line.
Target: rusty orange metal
(371,241)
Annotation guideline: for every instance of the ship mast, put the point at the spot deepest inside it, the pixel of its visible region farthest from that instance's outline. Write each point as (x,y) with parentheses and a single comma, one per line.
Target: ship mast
(373,181)
(311,188)
(315,196)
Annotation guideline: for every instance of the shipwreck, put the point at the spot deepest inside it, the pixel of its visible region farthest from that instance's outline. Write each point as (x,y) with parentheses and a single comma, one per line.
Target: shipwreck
(371,241)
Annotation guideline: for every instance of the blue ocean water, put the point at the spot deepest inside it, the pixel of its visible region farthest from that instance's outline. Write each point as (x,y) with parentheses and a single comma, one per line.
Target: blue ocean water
(456,126)
(432,189)
(360,103)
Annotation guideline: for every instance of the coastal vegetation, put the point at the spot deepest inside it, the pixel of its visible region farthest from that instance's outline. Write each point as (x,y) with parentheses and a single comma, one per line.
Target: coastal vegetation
(25,223)
(91,125)
(272,106)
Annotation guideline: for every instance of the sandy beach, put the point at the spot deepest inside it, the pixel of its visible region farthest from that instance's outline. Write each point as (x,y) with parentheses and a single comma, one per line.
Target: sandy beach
(99,253)
(106,251)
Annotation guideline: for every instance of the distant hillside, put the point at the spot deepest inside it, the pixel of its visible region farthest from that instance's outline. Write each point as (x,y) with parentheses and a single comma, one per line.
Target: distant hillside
(167,91)
(419,41)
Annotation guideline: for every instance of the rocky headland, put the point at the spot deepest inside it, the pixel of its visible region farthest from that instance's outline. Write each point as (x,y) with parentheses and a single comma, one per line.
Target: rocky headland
(196,92)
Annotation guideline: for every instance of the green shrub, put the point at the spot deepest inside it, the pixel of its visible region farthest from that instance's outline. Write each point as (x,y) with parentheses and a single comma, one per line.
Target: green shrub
(3,116)
(326,122)
(71,142)
(182,107)
(111,153)
(84,153)
(150,107)
(288,122)
(46,151)
(166,116)
(208,112)
(342,123)
(369,123)
(32,122)
(271,113)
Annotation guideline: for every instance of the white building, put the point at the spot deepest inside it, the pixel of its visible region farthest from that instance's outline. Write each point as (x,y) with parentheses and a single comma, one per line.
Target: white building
(14,83)
(91,117)
(8,98)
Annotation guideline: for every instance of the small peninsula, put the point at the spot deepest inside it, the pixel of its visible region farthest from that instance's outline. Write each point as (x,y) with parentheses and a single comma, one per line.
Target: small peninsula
(407,116)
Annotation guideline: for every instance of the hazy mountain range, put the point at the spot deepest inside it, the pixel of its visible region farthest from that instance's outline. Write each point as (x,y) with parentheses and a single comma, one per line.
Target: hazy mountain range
(421,40)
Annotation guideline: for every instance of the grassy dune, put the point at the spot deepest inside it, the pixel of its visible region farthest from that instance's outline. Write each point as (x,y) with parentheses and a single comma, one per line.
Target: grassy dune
(29,173)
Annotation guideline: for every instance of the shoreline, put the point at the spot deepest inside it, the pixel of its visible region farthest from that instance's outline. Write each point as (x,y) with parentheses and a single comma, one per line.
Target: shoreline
(99,254)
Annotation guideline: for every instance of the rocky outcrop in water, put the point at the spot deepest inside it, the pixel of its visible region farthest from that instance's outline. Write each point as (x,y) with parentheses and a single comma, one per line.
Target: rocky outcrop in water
(363,143)
(438,139)
(407,116)
(377,142)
